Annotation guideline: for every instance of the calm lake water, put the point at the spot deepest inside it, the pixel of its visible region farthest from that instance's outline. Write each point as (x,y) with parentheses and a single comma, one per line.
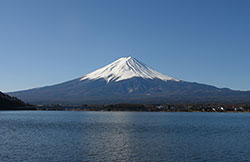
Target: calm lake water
(48,136)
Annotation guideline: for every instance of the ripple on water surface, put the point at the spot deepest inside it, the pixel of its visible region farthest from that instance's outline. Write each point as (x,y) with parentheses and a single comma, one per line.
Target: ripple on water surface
(123,136)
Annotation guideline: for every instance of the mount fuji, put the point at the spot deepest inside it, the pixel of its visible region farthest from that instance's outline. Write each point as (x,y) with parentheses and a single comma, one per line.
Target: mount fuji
(128,80)
(126,68)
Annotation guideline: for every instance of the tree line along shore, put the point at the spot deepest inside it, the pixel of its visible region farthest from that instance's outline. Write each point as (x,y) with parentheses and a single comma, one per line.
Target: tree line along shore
(151,107)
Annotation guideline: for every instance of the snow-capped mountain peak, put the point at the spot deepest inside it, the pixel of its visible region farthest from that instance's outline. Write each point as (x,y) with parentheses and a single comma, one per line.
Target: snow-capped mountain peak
(126,68)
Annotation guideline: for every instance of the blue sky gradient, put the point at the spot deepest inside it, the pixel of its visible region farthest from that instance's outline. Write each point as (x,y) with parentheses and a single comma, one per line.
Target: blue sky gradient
(44,42)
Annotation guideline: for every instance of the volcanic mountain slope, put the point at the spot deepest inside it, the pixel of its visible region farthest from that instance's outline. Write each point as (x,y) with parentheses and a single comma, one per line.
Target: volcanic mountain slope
(126,68)
(128,80)
(7,102)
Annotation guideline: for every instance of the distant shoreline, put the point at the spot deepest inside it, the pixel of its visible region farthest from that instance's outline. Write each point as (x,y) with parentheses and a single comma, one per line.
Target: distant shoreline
(138,107)
(143,111)
(81,110)
(77,110)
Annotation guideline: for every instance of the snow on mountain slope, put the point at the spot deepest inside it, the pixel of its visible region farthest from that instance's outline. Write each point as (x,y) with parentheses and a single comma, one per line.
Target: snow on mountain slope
(126,68)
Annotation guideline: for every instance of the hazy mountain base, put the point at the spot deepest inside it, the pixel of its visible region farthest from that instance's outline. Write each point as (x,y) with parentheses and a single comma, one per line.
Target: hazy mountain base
(134,90)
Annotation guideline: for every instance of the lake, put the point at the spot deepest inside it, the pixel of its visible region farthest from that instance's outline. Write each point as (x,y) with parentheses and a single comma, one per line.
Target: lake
(48,136)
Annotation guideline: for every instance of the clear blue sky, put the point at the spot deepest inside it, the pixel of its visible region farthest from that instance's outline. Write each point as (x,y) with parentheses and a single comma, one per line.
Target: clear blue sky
(44,42)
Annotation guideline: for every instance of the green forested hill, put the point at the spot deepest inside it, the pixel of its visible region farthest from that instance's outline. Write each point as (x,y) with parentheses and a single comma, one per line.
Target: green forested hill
(7,102)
